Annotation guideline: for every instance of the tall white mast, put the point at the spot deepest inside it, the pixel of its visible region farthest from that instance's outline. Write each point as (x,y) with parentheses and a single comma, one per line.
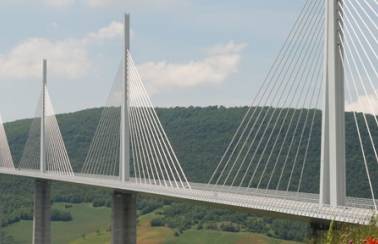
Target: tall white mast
(124,169)
(43,119)
(332,178)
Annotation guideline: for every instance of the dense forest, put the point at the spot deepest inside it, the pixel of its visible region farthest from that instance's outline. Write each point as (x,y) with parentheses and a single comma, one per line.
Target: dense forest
(199,137)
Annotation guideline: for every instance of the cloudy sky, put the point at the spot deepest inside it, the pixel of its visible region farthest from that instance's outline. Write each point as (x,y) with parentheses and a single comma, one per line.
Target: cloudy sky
(189,52)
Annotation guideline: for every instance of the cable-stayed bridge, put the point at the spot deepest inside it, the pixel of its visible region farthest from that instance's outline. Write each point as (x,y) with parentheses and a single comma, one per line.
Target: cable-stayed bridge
(327,66)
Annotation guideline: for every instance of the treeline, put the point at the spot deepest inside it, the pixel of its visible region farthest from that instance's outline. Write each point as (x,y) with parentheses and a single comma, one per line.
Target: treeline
(27,214)
(181,217)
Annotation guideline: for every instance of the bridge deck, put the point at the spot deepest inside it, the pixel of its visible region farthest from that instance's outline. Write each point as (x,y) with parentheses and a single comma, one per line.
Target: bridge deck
(302,205)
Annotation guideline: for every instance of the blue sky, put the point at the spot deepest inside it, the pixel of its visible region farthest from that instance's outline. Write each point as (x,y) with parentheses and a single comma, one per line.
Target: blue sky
(189,52)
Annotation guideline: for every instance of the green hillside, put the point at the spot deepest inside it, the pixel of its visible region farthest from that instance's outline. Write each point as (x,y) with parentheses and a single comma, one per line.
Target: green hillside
(91,226)
(199,137)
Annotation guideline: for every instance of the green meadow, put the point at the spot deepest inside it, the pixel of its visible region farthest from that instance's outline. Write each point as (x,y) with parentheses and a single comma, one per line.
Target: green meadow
(92,226)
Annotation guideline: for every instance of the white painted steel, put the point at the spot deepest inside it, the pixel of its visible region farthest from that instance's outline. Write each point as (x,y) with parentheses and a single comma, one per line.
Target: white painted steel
(124,167)
(357,211)
(42,165)
(332,178)
(6,160)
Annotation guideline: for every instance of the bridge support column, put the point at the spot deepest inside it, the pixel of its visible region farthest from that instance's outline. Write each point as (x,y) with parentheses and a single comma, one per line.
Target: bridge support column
(124,217)
(41,214)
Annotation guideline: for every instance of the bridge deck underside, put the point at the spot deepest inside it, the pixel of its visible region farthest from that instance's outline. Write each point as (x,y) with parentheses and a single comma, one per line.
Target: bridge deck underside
(302,205)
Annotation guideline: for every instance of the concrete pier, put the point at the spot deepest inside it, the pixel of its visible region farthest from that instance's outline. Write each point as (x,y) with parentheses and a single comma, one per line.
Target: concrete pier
(41,213)
(124,217)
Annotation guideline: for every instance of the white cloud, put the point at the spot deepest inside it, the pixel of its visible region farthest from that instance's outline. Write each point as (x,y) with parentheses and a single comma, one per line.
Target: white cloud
(59,3)
(114,30)
(220,63)
(98,3)
(366,104)
(107,3)
(67,58)
(54,25)
(230,47)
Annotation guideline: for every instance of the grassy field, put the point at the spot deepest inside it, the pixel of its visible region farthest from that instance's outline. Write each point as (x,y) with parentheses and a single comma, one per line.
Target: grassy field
(146,234)
(86,219)
(91,226)
(206,236)
(163,235)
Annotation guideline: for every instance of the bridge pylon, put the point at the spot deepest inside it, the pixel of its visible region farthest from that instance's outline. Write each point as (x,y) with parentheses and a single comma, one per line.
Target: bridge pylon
(41,213)
(124,167)
(124,212)
(43,165)
(41,210)
(124,217)
(332,172)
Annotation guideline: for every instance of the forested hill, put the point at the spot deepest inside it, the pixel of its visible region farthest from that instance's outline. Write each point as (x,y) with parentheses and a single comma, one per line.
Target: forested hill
(199,137)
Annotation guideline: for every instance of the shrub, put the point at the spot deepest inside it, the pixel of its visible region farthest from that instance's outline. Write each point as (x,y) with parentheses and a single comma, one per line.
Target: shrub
(229,227)
(98,203)
(157,222)
(60,215)
(212,226)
